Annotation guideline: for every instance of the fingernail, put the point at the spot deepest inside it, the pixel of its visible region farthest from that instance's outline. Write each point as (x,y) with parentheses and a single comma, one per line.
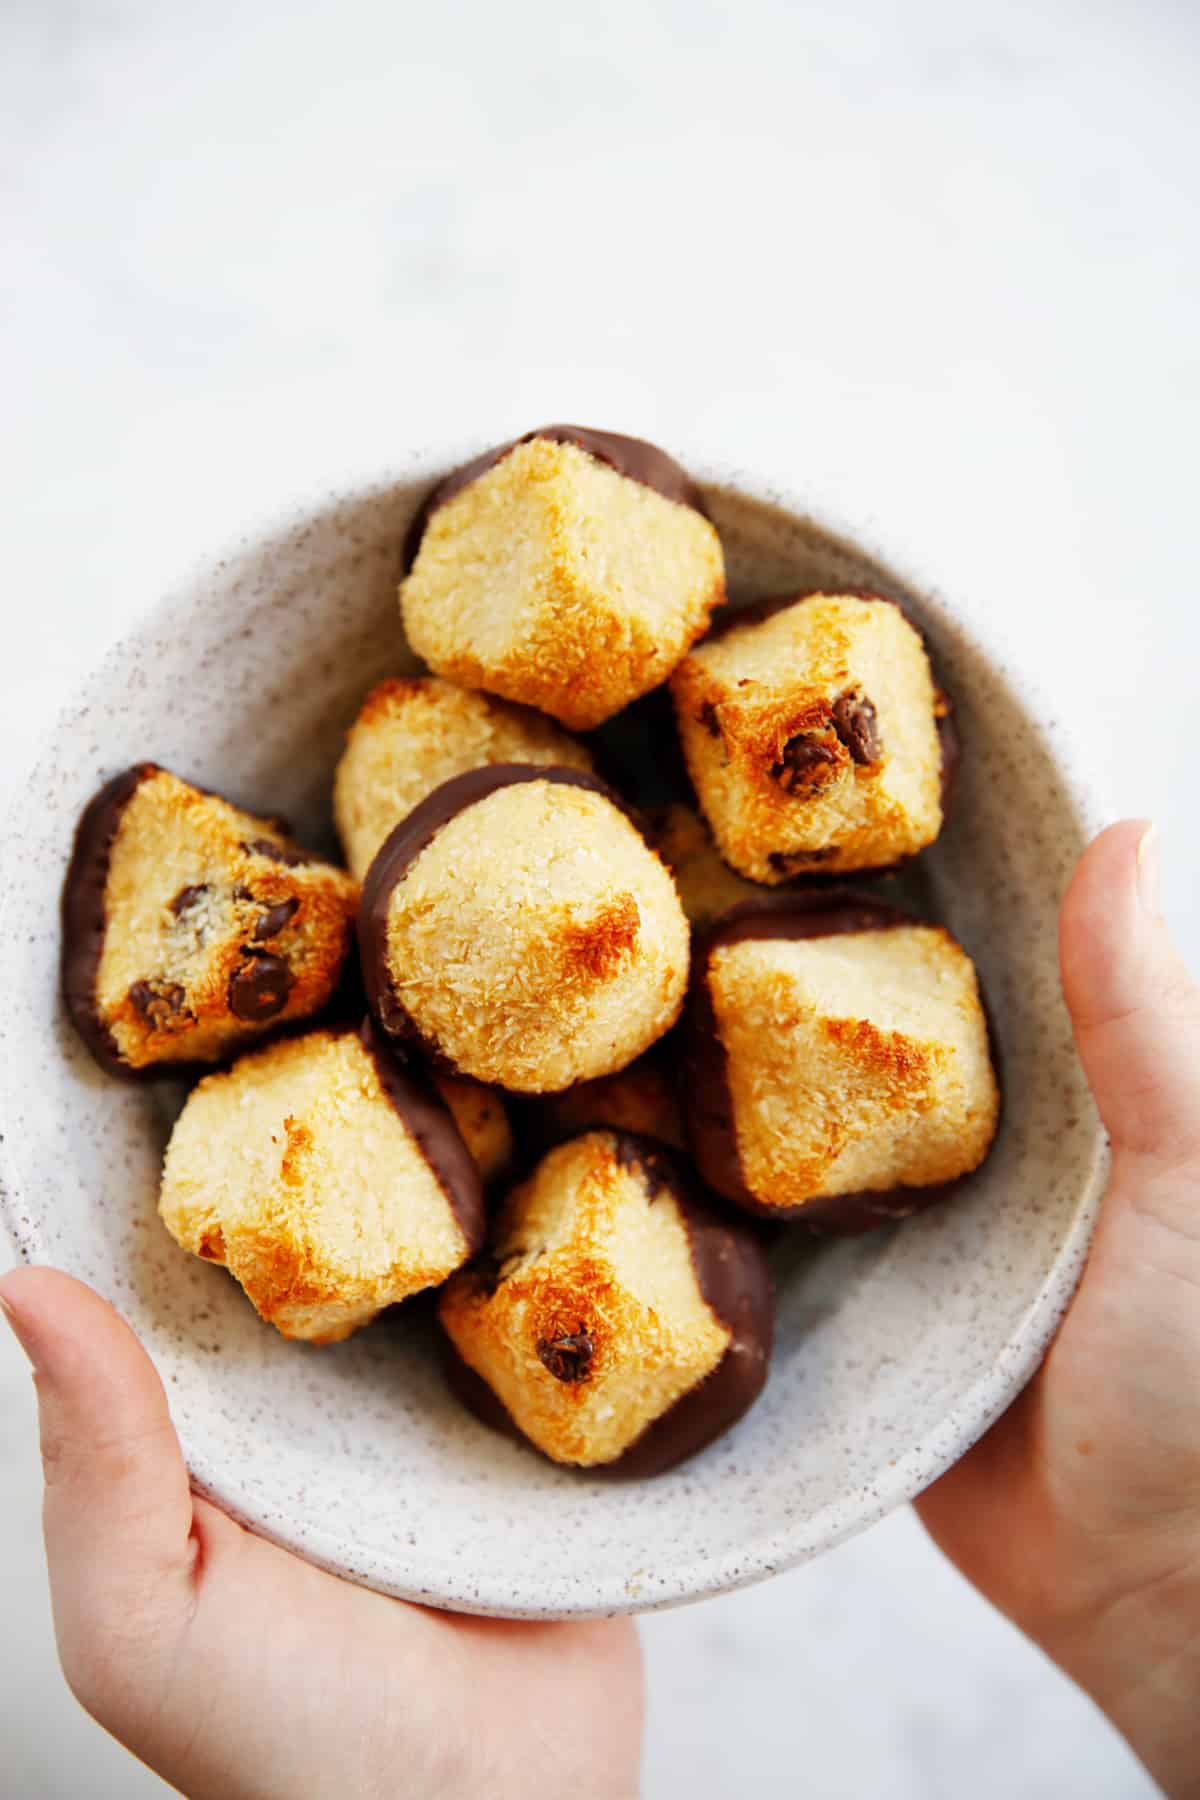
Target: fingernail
(1148,866)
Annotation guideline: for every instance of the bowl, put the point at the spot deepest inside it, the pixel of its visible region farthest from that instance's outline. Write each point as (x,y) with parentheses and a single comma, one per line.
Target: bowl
(895,1351)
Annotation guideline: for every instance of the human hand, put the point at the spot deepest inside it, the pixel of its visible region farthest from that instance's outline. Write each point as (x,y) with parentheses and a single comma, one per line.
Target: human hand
(1078,1515)
(239,1672)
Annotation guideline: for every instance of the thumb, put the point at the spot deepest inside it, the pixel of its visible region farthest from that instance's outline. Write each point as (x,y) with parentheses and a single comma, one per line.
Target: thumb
(1134,1008)
(118,1511)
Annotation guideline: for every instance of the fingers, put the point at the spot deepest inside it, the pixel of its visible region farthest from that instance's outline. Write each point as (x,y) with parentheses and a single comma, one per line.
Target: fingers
(1135,1012)
(118,1512)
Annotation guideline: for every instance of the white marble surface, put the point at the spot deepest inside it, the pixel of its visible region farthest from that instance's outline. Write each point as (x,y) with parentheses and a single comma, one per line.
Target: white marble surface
(943,258)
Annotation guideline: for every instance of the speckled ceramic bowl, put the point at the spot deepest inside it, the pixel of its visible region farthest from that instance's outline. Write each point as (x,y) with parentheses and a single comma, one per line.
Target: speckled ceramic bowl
(894,1351)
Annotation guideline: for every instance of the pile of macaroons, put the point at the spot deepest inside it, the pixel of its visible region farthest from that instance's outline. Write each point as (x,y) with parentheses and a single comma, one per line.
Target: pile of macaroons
(523,1120)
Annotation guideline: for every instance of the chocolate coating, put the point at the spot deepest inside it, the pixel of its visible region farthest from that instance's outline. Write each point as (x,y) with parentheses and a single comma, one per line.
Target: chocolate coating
(708,1102)
(733,1276)
(629,456)
(401,849)
(84,914)
(430,1121)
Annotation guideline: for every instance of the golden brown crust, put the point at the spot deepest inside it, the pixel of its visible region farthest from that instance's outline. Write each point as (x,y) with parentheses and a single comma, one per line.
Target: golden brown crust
(535,940)
(217,927)
(413,734)
(593,949)
(849,1063)
(295,1170)
(504,592)
(811,737)
(584,1253)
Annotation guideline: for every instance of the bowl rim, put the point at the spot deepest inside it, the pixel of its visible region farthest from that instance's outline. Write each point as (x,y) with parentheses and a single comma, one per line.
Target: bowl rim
(912,1471)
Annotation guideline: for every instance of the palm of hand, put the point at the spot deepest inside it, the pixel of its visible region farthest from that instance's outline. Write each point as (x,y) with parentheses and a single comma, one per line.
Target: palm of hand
(235,1669)
(1078,1515)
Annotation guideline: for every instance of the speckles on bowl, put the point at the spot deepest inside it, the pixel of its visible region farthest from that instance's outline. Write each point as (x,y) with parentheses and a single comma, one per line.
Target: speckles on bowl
(894,1352)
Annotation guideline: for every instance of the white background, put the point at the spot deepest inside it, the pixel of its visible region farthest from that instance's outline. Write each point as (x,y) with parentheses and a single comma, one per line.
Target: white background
(940,258)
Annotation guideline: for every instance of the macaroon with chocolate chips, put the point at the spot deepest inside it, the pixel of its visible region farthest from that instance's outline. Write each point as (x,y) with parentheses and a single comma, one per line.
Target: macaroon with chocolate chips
(569,569)
(415,732)
(328,1176)
(816,736)
(837,1067)
(191,927)
(519,928)
(618,1321)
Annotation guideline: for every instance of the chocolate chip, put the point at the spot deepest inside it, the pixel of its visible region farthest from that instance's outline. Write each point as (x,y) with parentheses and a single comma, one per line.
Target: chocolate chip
(280,853)
(708,718)
(805,765)
(857,725)
(259,988)
(567,1358)
(186,899)
(162,1005)
(791,862)
(275,919)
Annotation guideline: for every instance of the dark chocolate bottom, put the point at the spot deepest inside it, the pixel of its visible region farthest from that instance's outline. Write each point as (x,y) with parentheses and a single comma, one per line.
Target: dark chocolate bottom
(696,1420)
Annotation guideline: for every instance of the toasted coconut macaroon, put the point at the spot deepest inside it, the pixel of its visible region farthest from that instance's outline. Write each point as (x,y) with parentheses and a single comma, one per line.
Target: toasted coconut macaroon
(570,569)
(327,1176)
(641,1099)
(837,1066)
(414,733)
(518,927)
(617,1320)
(813,731)
(482,1120)
(190,927)
(706,884)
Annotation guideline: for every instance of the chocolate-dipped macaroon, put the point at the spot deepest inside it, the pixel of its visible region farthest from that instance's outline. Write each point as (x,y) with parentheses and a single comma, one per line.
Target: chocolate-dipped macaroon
(518,926)
(617,1319)
(569,569)
(836,1068)
(191,927)
(707,886)
(642,1099)
(813,732)
(412,734)
(328,1176)
(481,1117)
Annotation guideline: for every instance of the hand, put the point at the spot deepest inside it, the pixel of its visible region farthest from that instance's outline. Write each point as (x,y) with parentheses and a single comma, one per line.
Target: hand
(1078,1515)
(235,1669)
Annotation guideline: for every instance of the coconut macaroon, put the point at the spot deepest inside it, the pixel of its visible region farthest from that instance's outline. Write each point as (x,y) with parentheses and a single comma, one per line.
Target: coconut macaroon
(482,1120)
(569,570)
(190,927)
(837,1067)
(327,1176)
(707,886)
(617,1319)
(519,928)
(414,733)
(812,733)
(641,1099)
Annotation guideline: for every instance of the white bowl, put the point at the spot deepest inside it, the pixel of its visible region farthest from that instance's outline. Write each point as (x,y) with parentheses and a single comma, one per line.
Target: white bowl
(894,1351)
